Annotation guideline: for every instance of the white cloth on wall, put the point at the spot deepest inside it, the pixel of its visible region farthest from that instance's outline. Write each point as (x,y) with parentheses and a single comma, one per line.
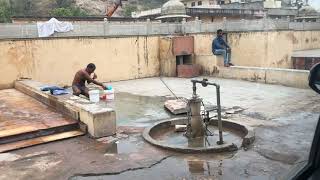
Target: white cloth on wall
(46,29)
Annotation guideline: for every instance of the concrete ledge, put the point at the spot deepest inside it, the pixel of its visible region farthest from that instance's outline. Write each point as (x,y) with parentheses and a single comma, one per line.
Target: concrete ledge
(285,77)
(6,86)
(32,88)
(100,121)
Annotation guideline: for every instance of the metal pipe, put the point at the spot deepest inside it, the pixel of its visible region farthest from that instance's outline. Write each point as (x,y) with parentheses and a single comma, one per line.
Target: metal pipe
(219,116)
(205,83)
(194,88)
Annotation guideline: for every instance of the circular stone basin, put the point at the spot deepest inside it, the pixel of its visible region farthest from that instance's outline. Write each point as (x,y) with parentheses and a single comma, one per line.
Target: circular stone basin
(163,135)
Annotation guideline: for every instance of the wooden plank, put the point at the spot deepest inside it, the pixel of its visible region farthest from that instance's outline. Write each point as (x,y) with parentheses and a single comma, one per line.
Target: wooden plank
(17,130)
(39,140)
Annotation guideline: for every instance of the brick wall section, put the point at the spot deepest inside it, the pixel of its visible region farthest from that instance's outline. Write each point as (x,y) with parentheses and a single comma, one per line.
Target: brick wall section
(304,63)
(188,71)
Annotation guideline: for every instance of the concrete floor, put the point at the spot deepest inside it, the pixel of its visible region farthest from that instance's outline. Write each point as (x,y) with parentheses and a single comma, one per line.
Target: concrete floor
(284,120)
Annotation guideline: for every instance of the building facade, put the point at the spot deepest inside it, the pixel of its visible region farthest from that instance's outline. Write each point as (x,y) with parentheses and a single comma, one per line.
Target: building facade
(204,3)
(217,10)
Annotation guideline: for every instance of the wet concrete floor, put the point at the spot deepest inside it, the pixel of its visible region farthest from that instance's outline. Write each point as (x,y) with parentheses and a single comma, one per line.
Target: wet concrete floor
(284,120)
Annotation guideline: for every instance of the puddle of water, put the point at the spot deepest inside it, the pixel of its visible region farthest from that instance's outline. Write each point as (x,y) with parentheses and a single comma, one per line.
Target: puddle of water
(171,137)
(168,169)
(124,146)
(133,110)
(176,168)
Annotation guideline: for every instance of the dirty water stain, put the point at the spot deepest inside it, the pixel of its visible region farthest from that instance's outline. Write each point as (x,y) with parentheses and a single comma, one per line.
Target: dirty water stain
(133,110)
(169,136)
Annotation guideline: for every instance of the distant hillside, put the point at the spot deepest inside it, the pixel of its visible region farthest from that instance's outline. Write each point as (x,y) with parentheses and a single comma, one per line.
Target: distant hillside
(90,7)
(10,8)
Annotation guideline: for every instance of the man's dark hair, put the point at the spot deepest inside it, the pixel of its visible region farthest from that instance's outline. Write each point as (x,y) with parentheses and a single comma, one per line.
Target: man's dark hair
(91,66)
(219,31)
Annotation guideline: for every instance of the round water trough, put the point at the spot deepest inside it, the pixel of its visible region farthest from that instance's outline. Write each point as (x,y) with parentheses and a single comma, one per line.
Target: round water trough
(163,135)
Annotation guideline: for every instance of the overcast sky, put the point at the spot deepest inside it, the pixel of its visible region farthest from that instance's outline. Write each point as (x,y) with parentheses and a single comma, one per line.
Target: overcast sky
(315,3)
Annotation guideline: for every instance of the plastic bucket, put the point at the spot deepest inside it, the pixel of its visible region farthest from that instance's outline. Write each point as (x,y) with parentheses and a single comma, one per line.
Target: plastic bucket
(109,94)
(94,96)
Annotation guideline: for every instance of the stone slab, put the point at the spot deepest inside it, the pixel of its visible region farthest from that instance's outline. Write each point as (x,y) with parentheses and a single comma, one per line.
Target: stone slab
(176,106)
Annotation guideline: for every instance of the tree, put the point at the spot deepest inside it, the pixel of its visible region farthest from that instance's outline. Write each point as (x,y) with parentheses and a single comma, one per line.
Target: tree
(128,9)
(67,8)
(61,12)
(64,3)
(5,11)
(78,12)
(22,7)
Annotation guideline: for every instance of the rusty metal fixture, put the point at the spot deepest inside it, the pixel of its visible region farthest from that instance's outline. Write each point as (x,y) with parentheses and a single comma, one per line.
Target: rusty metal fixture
(197,124)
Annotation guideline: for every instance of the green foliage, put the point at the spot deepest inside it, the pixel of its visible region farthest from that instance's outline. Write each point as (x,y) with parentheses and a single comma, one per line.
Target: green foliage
(22,7)
(149,4)
(61,12)
(57,8)
(67,12)
(65,8)
(128,9)
(64,3)
(5,11)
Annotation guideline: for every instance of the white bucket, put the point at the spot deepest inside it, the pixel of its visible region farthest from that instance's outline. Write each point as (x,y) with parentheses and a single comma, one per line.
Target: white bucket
(109,94)
(94,96)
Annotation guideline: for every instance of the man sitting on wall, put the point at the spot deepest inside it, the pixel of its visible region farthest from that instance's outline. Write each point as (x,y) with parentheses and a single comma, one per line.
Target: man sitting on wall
(83,75)
(220,47)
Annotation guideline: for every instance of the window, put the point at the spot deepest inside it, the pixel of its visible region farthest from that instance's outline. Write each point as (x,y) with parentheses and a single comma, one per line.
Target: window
(199,3)
(193,4)
(221,2)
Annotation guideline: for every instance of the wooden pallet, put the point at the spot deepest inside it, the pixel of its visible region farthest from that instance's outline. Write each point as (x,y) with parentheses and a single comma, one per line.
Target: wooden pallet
(25,122)
(39,140)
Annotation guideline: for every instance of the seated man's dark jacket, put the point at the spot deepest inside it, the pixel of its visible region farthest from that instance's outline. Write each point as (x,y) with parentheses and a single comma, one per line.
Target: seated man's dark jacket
(219,43)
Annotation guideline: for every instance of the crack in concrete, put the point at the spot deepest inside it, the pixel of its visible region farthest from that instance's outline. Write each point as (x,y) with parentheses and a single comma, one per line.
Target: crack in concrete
(120,172)
(277,156)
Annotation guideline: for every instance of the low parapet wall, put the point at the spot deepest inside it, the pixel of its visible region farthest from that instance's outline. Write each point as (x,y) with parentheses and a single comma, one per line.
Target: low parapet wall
(285,77)
(100,29)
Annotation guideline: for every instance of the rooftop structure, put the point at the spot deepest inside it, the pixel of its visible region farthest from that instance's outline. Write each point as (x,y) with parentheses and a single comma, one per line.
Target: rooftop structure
(173,10)
(214,10)
(308,14)
(205,3)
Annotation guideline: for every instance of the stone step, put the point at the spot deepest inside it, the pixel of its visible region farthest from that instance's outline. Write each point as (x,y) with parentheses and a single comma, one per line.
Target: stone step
(39,140)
